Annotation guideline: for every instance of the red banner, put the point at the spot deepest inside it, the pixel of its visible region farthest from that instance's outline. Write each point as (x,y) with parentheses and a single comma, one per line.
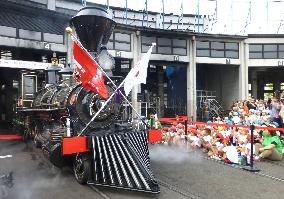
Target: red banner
(90,75)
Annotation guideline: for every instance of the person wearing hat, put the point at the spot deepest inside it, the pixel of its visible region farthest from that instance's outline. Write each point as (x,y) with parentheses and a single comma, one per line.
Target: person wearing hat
(271,147)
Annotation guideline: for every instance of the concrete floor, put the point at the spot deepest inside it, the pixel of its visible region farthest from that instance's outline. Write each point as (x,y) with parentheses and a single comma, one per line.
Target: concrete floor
(181,174)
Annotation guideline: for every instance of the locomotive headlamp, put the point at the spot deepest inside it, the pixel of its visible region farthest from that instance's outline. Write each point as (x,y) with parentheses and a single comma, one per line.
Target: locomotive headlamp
(105,60)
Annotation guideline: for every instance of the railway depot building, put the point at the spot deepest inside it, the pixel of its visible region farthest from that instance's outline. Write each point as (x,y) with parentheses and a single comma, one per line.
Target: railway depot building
(186,70)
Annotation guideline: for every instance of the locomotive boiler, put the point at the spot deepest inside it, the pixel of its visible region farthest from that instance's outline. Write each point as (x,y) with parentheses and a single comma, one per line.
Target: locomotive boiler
(108,152)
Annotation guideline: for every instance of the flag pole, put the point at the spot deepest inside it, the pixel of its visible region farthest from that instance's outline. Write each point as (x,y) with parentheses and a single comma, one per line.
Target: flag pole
(102,107)
(70,32)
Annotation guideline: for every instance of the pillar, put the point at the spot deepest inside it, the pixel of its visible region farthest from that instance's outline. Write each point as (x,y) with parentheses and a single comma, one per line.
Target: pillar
(136,41)
(254,87)
(276,87)
(160,73)
(260,88)
(191,78)
(243,71)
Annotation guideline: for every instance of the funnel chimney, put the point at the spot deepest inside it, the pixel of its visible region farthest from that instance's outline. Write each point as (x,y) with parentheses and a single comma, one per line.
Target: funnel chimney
(93,26)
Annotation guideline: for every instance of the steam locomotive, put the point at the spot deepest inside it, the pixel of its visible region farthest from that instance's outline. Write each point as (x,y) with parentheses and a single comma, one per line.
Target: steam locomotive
(108,152)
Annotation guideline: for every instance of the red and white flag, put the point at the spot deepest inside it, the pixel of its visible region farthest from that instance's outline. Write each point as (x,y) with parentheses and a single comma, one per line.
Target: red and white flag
(138,74)
(90,75)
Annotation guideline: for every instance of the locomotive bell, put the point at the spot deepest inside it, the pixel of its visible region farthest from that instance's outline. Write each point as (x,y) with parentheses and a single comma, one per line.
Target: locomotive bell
(93,26)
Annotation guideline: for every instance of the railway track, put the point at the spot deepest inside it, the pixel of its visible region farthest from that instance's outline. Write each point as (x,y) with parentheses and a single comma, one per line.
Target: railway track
(178,190)
(262,174)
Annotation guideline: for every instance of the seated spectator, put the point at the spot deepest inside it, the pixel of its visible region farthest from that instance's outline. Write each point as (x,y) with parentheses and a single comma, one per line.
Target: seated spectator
(230,153)
(206,139)
(193,139)
(271,147)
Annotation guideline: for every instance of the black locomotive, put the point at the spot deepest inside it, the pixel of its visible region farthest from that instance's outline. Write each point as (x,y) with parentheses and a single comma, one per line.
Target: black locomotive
(108,152)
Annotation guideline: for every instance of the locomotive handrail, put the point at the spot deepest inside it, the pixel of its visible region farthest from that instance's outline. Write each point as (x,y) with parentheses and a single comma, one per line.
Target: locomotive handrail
(36,110)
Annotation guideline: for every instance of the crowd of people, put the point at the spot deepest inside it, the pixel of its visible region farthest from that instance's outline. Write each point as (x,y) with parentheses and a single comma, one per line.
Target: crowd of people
(229,138)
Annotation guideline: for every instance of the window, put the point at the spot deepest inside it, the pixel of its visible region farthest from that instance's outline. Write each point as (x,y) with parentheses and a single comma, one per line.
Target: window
(147,42)
(122,37)
(119,41)
(203,44)
(164,42)
(125,66)
(217,53)
(166,46)
(164,50)
(232,54)
(282,86)
(179,43)
(203,49)
(29,86)
(255,47)
(231,46)
(179,46)
(15,84)
(62,60)
(270,51)
(217,45)
(217,49)
(266,51)
(110,45)
(268,95)
(179,51)
(268,91)
(122,41)
(281,51)
(268,87)
(6,54)
(203,53)
(122,46)
(232,50)
(255,51)
(255,55)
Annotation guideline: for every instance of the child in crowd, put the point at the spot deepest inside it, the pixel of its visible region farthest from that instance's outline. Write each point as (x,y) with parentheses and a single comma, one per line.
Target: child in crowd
(225,142)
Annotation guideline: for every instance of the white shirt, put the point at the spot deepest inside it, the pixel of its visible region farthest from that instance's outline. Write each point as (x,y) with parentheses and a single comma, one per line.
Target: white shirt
(232,153)
(195,140)
(208,139)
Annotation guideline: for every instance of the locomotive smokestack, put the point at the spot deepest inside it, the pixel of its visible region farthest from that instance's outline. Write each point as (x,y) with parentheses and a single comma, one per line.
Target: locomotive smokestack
(93,26)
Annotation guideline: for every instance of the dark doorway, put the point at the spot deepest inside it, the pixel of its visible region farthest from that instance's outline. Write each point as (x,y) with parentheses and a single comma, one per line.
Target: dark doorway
(9,89)
(165,91)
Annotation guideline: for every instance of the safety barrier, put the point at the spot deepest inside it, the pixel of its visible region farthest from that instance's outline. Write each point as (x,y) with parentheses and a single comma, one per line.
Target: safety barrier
(155,135)
(188,121)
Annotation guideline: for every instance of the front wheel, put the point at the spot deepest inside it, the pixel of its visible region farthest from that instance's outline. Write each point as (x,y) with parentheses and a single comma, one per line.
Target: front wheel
(82,168)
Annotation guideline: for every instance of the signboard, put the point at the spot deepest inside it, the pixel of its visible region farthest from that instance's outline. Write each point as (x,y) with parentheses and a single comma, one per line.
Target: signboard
(24,64)
(280,63)
(47,45)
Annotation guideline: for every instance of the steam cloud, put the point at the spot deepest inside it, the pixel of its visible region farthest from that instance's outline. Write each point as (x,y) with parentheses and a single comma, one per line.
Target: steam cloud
(173,154)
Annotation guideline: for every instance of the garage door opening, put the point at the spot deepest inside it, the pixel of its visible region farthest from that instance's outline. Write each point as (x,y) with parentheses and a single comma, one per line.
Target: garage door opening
(221,82)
